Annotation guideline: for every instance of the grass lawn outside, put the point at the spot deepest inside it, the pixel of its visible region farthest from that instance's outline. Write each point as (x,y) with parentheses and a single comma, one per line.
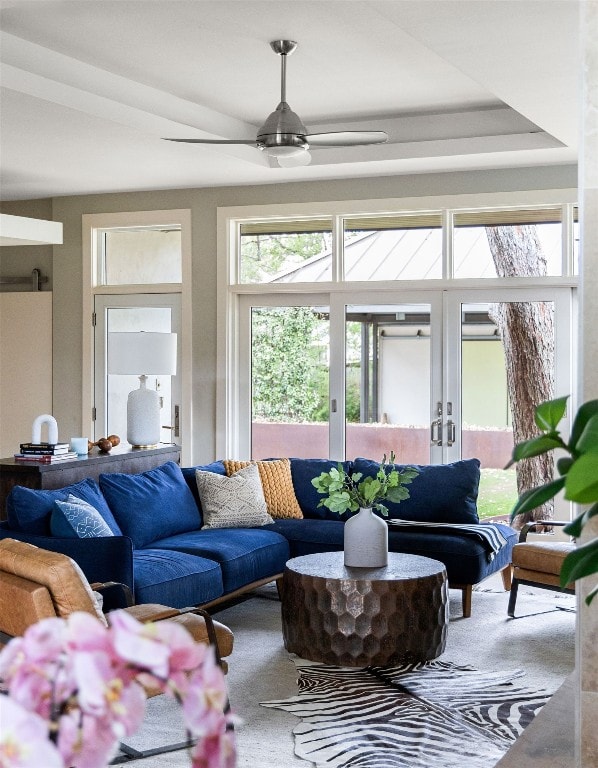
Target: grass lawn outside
(498,492)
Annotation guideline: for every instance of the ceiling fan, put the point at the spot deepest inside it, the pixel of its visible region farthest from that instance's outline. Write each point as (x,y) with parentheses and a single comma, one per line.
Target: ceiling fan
(283,134)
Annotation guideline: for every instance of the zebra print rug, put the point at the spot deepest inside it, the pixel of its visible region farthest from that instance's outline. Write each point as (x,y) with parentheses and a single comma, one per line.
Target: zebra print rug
(429,715)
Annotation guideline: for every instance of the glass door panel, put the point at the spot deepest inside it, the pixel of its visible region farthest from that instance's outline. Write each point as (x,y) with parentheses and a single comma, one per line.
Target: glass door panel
(507,364)
(129,314)
(392,367)
(289,388)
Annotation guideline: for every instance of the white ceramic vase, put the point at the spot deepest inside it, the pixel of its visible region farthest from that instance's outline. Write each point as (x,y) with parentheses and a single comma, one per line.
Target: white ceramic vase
(366,540)
(143,416)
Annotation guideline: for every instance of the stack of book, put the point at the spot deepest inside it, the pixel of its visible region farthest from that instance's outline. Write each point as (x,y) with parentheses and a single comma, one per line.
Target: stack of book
(45,453)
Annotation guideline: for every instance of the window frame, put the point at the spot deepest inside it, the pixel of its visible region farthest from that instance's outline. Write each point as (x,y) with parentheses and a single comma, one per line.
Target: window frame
(229,220)
(92,224)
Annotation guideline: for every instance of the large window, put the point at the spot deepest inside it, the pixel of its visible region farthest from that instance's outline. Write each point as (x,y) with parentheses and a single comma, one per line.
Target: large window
(407,330)
(410,246)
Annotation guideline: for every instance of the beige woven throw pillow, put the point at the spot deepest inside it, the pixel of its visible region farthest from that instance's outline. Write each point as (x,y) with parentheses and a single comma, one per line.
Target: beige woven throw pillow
(232,502)
(277,483)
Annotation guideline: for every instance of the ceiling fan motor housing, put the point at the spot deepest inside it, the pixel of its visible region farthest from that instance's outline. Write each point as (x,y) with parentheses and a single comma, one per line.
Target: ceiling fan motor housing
(283,128)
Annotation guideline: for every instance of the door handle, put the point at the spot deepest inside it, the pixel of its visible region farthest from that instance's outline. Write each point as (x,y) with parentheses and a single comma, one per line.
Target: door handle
(436,426)
(450,432)
(176,428)
(436,432)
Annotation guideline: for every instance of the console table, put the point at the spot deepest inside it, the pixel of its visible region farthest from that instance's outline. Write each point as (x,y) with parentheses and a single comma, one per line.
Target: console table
(49,476)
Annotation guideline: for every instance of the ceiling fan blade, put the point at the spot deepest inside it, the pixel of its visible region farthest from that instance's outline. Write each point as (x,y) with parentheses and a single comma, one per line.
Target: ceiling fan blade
(249,142)
(294,161)
(346,138)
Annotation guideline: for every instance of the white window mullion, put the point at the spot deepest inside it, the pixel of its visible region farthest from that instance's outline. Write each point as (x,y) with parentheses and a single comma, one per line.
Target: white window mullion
(567,239)
(336,433)
(448,267)
(338,249)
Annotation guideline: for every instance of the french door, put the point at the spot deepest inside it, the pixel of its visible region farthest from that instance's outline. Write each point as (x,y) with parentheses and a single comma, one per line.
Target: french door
(421,373)
(135,312)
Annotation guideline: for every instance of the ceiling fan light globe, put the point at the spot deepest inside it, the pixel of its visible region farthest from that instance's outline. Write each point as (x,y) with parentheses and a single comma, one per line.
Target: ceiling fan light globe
(283,150)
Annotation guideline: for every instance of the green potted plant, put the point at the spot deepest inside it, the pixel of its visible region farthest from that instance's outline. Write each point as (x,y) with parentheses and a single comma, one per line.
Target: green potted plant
(577,476)
(365,534)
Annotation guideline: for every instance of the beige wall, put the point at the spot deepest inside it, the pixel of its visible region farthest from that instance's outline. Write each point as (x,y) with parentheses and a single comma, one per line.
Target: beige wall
(67,262)
(587,624)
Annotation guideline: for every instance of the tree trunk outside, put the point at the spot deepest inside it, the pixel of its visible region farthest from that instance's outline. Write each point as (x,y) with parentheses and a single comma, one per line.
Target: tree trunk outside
(527,331)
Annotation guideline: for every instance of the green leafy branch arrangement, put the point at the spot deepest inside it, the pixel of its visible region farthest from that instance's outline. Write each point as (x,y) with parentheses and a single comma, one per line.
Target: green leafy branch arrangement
(351,492)
(578,476)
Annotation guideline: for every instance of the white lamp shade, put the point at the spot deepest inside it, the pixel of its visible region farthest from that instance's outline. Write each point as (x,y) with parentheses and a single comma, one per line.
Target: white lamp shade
(142,352)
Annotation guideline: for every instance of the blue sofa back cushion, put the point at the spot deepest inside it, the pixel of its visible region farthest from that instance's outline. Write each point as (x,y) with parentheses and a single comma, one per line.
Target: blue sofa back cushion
(151,505)
(303,471)
(189,474)
(441,493)
(29,510)
(75,518)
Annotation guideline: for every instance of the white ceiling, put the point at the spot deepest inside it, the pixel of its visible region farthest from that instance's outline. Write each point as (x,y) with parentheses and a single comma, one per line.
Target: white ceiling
(89,87)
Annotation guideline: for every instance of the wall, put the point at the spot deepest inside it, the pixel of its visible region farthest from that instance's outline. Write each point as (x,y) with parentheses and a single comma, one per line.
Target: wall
(587,624)
(203,203)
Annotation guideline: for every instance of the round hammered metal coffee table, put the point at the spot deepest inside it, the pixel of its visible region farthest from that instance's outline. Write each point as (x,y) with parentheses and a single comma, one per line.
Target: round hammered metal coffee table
(357,617)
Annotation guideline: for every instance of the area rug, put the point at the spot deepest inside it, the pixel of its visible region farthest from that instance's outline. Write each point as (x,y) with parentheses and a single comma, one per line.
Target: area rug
(431,715)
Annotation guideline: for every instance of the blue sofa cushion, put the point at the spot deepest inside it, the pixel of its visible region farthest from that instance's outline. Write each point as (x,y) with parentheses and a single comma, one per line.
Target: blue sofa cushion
(303,471)
(174,578)
(77,518)
(190,478)
(441,493)
(29,510)
(244,554)
(151,505)
(466,560)
(308,538)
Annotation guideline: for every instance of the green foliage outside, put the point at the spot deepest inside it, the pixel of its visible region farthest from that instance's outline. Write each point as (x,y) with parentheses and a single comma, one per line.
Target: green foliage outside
(497,494)
(285,359)
(578,477)
(264,256)
(289,344)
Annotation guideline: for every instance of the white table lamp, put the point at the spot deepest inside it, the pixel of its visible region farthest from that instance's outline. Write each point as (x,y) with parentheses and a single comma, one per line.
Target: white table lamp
(142,353)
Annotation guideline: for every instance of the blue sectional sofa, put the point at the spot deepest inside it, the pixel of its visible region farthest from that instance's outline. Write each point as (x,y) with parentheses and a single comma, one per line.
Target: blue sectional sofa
(149,533)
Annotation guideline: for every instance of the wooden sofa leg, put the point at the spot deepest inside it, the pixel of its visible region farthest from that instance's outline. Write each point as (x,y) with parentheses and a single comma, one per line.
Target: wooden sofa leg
(507,577)
(513,598)
(466,592)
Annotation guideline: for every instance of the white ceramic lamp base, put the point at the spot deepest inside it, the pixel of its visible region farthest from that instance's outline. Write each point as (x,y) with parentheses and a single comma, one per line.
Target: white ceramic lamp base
(143,416)
(366,540)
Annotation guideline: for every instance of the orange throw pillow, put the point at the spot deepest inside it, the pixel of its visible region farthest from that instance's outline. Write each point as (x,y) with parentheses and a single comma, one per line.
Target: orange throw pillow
(277,483)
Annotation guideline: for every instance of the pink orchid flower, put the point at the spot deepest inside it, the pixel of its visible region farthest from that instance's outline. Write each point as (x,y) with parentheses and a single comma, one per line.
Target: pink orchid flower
(163,648)
(24,739)
(206,697)
(215,751)
(86,633)
(86,742)
(35,668)
(102,693)
(140,644)
(83,683)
